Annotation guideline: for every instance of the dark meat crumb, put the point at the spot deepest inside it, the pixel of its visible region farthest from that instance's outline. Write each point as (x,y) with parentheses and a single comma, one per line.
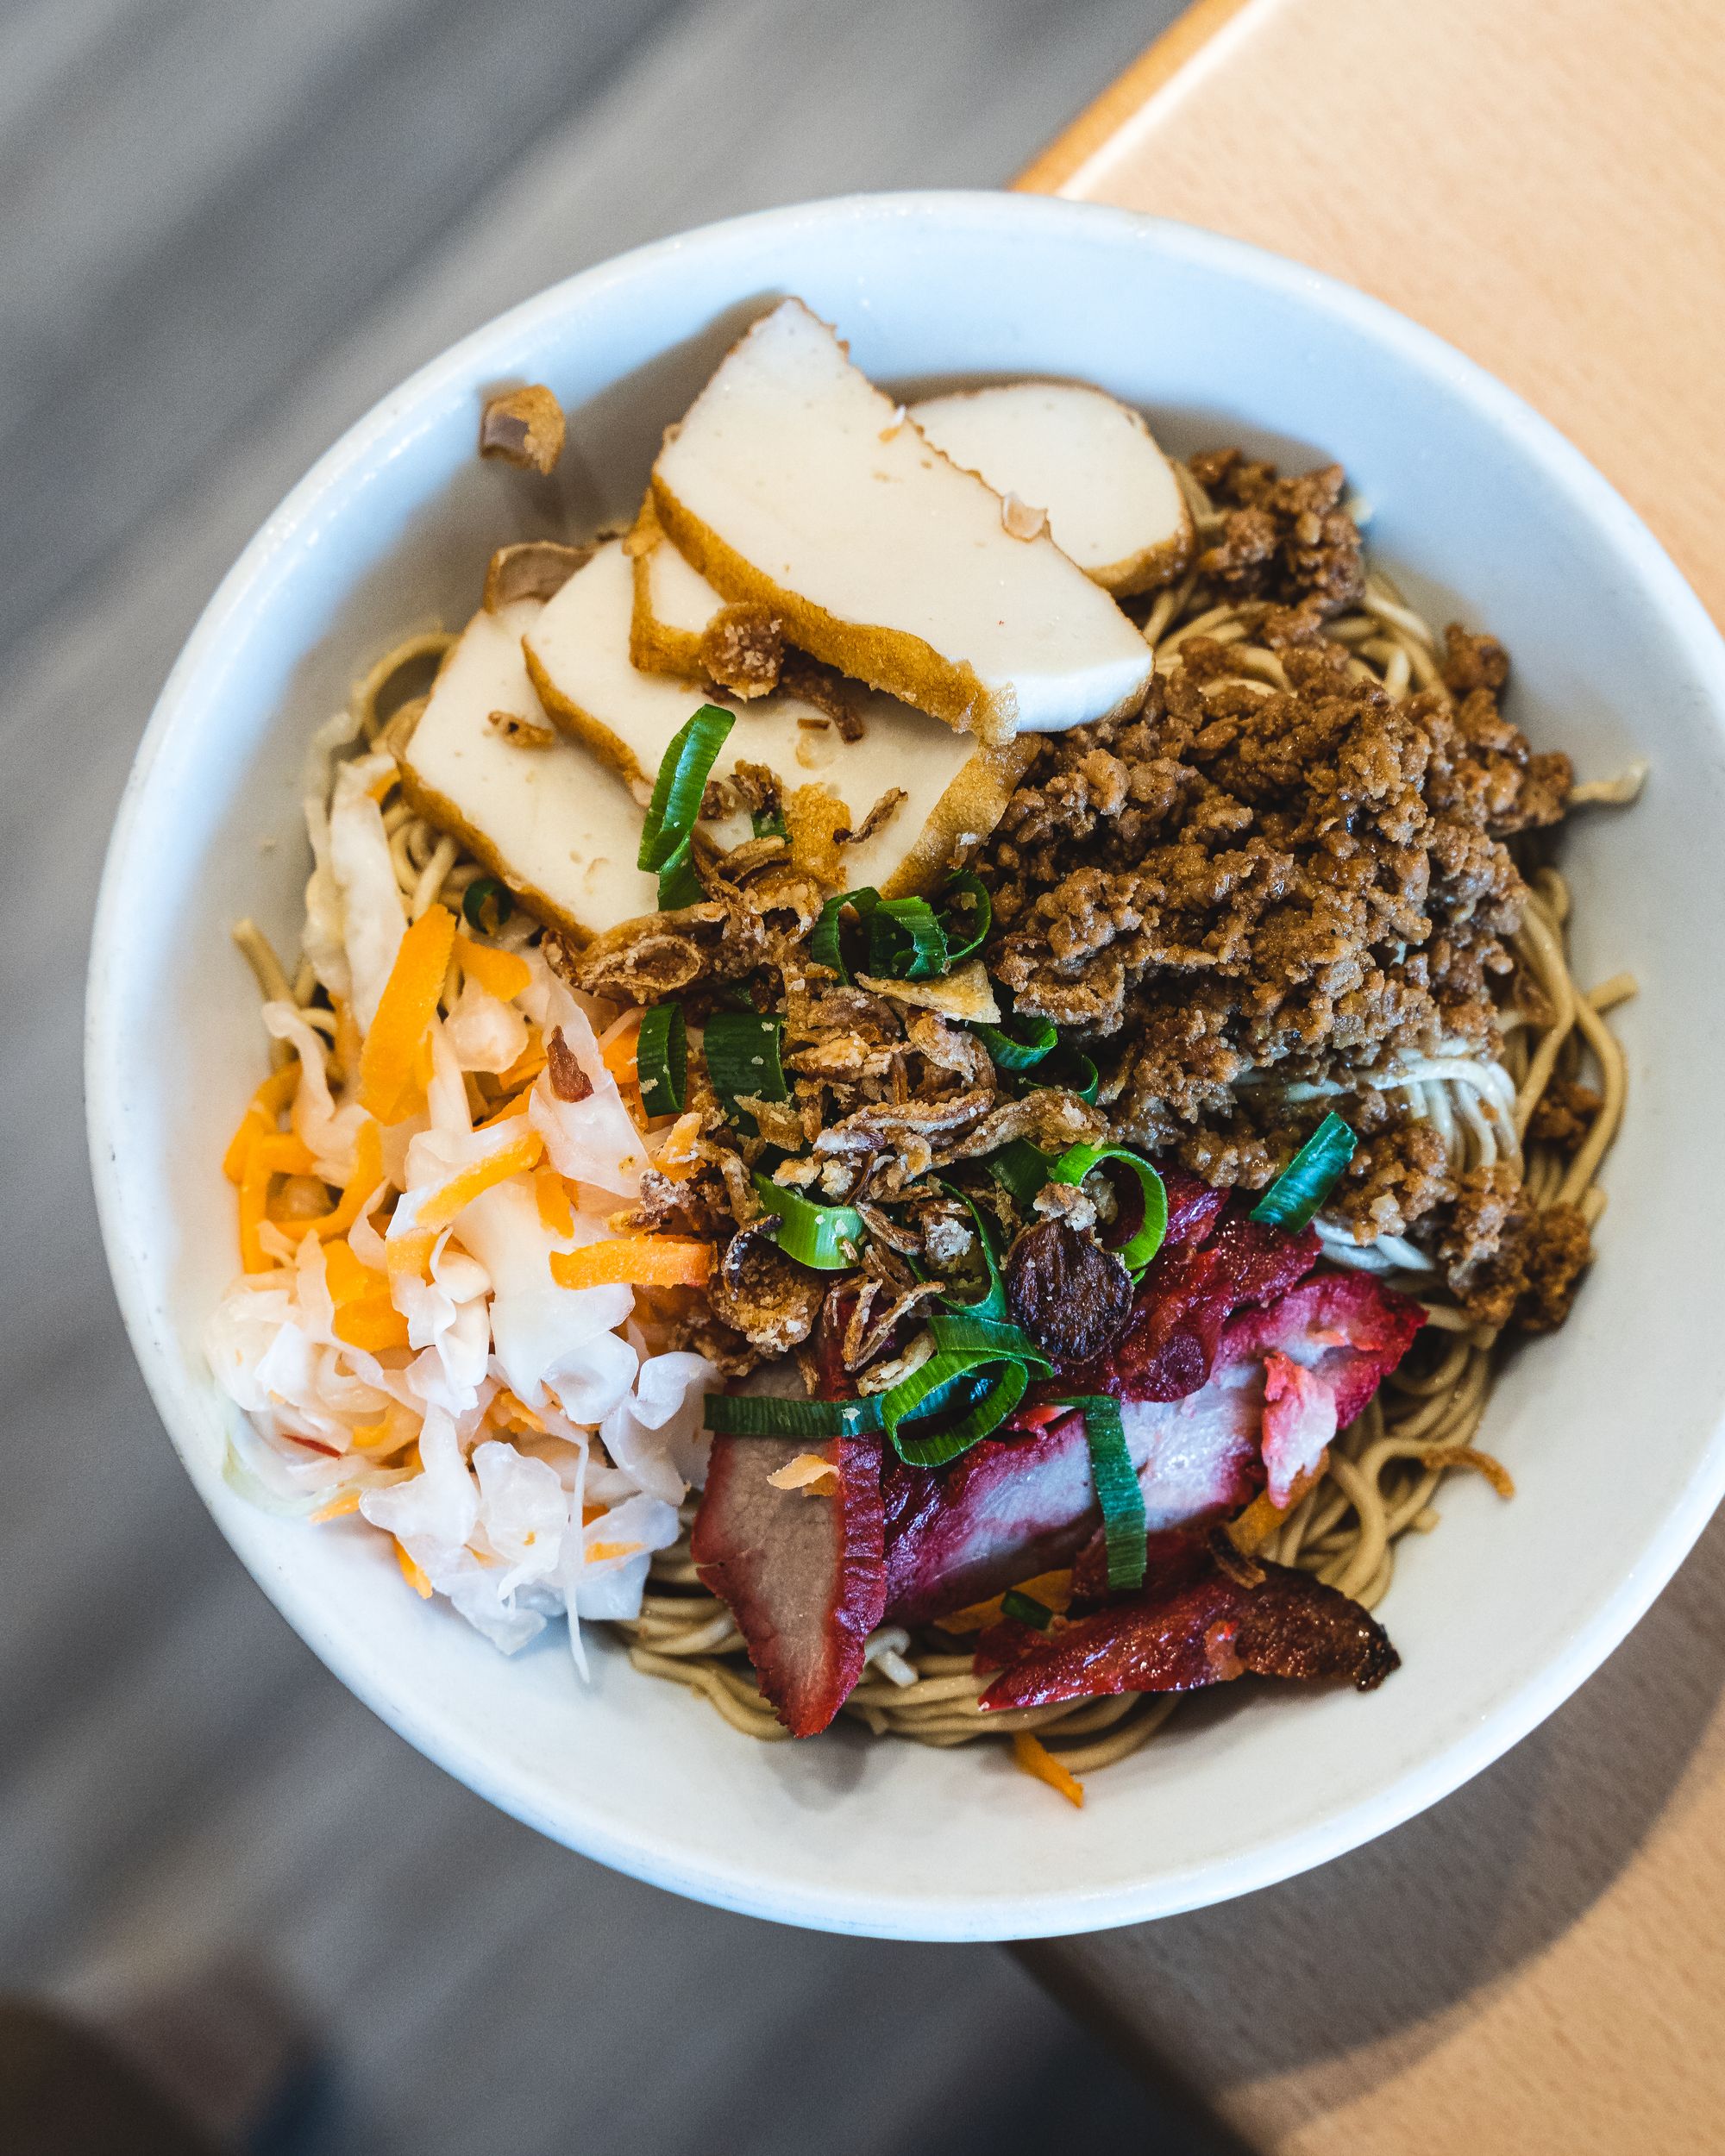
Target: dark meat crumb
(1245,888)
(1564,1115)
(1287,539)
(1531,1279)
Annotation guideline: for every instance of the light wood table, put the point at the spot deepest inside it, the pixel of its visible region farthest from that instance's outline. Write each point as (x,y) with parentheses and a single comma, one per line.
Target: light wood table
(1539,1964)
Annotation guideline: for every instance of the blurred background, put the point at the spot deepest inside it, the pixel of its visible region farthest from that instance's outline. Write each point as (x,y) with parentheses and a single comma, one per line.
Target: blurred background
(229,227)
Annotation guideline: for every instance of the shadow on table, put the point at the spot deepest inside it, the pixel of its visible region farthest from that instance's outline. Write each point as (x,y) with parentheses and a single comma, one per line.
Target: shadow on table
(1373,1949)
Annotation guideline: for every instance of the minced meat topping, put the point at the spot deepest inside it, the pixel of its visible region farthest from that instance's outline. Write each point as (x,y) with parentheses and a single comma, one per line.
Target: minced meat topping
(1247,902)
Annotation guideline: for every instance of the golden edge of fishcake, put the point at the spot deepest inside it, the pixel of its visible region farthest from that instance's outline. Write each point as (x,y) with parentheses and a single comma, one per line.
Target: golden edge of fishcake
(1149,571)
(592,733)
(654,646)
(440,810)
(887,658)
(971,806)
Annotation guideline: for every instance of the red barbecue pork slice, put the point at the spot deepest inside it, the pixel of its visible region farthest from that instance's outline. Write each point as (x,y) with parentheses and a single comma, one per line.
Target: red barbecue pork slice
(1285,1380)
(1182,1634)
(801,1574)
(1191,1289)
(1010,1508)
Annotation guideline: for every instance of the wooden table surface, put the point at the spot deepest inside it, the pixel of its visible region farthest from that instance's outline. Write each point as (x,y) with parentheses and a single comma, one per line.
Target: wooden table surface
(1539,1964)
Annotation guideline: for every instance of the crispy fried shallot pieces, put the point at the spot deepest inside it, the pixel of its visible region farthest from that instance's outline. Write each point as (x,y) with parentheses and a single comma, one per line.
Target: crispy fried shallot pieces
(1195,1624)
(525,427)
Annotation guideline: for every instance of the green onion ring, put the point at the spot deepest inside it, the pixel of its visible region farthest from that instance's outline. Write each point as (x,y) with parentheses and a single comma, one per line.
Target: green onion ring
(661,1059)
(481,891)
(826,1238)
(1078,1161)
(1295,1195)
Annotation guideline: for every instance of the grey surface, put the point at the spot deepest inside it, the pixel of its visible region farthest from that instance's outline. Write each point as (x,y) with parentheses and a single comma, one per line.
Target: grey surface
(229,225)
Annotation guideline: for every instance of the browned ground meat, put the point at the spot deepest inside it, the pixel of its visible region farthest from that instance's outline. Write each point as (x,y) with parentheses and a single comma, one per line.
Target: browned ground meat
(1309,884)
(1246,900)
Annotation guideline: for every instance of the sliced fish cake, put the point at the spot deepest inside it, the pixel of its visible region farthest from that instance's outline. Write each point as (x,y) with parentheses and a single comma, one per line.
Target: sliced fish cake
(794,482)
(953,792)
(1086,461)
(484,762)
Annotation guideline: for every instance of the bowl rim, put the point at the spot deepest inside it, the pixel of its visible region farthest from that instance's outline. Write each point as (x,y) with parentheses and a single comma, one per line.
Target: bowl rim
(748,1888)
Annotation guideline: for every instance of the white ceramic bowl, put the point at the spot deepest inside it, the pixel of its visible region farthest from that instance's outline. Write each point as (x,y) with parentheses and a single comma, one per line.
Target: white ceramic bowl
(1613,1429)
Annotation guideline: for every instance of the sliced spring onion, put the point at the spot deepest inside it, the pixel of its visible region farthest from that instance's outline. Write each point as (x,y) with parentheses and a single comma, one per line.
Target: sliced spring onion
(1308,1178)
(1020,1044)
(1117,1487)
(1071,1069)
(967,914)
(991,1303)
(667,833)
(483,891)
(824,947)
(756,1415)
(741,1049)
(906,942)
(768,822)
(661,1059)
(1021,1170)
(1137,1249)
(987,1399)
(827,1238)
(960,1333)
(1027,1610)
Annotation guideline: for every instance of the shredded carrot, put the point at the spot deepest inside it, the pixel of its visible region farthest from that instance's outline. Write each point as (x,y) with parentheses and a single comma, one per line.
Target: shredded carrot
(1254,1527)
(635,1261)
(391,1058)
(274,1095)
(1052,1589)
(447,1201)
(1036,1758)
(337,1509)
(371,1323)
(410,1252)
(555,1212)
(503,973)
(621,1053)
(513,1414)
(370,1435)
(367,1173)
(412,1571)
(347,1279)
(270,1153)
(601,1550)
(518,1106)
(527,1065)
(380,785)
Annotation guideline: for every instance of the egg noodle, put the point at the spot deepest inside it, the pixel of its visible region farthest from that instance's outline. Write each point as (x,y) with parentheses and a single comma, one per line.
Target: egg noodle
(1384,1471)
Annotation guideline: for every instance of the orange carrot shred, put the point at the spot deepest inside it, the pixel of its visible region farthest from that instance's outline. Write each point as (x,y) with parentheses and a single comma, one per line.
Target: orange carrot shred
(442,1206)
(337,1509)
(555,1212)
(503,973)
(1035,1758)
(371,1323)
(635,1261)
(412,1571)
(391,1057)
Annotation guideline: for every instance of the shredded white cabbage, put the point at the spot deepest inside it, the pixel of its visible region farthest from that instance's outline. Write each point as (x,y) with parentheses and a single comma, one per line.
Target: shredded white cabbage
(473,1438)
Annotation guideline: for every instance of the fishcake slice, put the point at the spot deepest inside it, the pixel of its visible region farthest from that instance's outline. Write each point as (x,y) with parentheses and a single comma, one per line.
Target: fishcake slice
(1086,462)
(795,483)
(545,816)
(913,792)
